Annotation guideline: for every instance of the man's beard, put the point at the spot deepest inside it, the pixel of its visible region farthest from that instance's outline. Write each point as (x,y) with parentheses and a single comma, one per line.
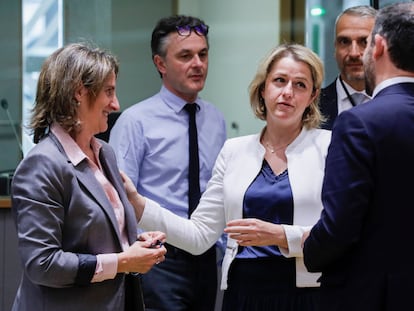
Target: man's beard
(369,73)
(354,77)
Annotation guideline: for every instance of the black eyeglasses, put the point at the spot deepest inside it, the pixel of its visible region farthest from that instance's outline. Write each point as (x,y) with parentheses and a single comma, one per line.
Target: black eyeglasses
(201,30)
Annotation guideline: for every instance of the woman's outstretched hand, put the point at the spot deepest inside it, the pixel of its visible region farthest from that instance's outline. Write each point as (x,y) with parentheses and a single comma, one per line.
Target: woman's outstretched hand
(256,232)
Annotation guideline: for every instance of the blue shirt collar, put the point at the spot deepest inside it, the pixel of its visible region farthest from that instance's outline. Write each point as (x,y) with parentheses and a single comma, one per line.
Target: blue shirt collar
(173,101)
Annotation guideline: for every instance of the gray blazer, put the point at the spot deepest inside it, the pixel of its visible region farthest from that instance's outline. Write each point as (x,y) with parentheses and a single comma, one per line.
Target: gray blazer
(64,220)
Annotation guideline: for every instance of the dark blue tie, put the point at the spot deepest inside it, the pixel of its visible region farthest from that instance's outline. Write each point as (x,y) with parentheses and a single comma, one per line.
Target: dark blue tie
(194,164)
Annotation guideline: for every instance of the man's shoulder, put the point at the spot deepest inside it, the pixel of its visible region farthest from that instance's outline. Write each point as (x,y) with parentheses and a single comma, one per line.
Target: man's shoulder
(146,103)
(328,104)
(211,108)
(143,109)
(328,98)
(329,90)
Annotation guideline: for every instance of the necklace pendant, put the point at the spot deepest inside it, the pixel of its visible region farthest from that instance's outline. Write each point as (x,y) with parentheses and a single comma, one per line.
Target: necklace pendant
(270,148)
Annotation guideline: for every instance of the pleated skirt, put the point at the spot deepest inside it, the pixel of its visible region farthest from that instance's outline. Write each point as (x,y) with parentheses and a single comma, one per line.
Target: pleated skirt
(267,284)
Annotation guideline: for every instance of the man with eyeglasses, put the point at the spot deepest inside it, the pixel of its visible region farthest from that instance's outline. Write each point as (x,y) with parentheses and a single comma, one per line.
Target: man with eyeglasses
(352,29)
(151,139)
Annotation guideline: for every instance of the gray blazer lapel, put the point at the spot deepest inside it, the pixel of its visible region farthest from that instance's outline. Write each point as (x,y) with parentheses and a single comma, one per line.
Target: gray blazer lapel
(87,178)
(109,165)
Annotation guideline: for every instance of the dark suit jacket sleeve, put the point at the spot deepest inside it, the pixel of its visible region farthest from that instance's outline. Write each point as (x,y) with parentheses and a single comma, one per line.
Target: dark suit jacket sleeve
(347,187)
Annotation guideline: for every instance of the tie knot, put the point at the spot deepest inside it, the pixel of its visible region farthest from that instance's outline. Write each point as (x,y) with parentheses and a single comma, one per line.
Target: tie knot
(191,108)
(358,97)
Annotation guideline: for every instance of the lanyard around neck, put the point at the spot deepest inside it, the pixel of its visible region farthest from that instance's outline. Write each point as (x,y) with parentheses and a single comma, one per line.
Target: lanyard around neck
(351,100)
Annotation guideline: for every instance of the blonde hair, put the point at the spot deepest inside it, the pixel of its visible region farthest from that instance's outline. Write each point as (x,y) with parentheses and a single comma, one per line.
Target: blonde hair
(312,116)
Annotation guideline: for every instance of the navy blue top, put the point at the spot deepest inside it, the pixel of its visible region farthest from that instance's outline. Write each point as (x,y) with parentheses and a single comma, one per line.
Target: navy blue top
(268,198)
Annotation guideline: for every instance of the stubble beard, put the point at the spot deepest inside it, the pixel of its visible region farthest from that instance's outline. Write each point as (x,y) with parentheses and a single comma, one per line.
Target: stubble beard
(369,71)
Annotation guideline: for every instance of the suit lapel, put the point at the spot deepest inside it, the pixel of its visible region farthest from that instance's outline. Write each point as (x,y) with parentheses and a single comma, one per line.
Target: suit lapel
(111,169)
(254,152)
(87,178)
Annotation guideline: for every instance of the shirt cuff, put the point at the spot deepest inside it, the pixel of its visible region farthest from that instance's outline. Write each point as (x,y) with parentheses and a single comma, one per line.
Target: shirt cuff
(294,239)
(106,267)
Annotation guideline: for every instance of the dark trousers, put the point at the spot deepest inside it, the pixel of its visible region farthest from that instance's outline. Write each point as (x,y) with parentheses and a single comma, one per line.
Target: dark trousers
(134,300)
(182,282)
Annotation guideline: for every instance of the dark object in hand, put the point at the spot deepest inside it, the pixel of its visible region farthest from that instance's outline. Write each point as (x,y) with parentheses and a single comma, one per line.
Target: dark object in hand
(156,243)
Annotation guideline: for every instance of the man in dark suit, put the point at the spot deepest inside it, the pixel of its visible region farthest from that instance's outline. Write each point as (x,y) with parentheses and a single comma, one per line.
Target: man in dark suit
(352,28)
(363,242)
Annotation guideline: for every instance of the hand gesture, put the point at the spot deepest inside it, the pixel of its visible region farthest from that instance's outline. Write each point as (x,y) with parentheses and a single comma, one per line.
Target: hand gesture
(256,232)
(141,256)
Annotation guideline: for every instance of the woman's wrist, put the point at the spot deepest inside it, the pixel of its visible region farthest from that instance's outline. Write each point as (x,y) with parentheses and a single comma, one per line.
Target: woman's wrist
(122,262)
(138,202)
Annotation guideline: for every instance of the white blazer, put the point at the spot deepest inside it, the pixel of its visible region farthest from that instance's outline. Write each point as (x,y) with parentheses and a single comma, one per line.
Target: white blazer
(237,165)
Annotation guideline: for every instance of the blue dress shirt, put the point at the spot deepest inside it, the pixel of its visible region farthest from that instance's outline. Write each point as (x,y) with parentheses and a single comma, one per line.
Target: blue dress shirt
(151,143)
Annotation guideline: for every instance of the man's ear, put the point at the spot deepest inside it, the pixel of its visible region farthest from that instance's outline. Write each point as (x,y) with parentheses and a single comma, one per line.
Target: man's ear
(159,63)
(380,46)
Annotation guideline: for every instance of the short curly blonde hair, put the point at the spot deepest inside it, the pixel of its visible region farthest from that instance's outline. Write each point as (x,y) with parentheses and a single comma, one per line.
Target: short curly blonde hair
(312,117)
